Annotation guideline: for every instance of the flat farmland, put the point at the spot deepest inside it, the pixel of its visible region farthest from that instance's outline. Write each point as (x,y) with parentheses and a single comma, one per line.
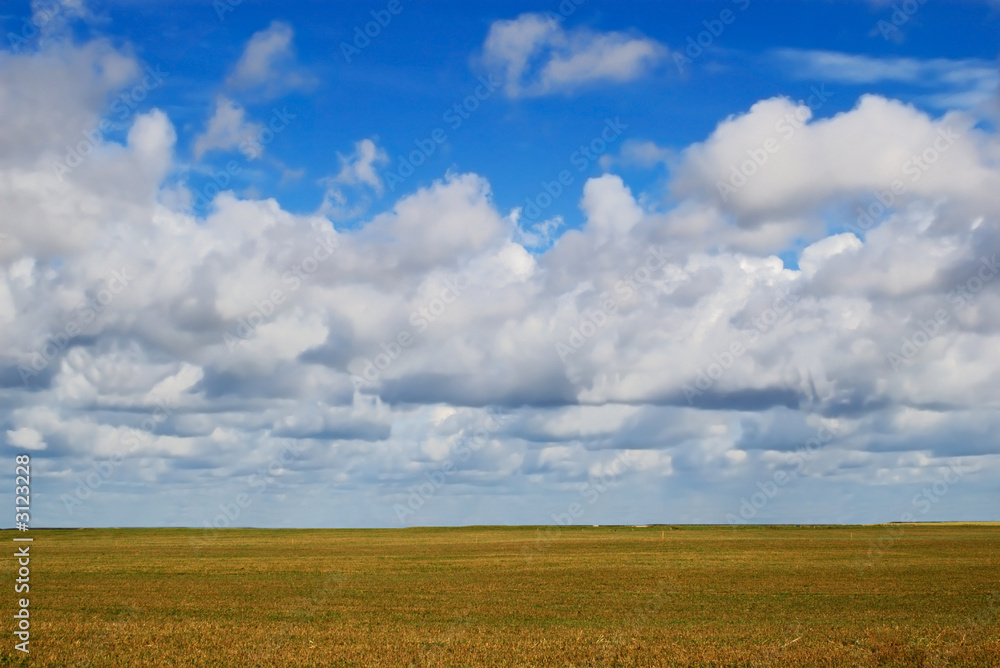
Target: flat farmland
(886,595)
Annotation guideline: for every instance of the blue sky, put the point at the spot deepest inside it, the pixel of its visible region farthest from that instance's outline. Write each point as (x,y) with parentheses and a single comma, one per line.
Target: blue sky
(607,197)
(428,58)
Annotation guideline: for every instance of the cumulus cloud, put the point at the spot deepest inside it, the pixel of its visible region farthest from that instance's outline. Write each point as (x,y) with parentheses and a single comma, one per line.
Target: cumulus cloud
(360,168)
(228,129)
(535,55)
(26,438)
(268,66)
(48,181)
(773,163)
(38,122)
(203,349)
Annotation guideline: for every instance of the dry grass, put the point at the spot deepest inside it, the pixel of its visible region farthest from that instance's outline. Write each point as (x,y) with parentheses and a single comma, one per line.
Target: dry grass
(486,596)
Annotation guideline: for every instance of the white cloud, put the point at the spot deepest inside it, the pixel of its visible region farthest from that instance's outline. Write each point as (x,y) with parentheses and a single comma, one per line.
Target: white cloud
(268,66)
(816,255)
(360,168)
(807,164)
(535,55)
(954,83)
(61,94)
(55,18)
(638,153)
(317,303)
(228,129)
(40,123)
(26,438)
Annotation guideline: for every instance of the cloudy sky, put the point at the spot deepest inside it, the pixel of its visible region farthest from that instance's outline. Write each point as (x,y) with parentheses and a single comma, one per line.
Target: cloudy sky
(398,263)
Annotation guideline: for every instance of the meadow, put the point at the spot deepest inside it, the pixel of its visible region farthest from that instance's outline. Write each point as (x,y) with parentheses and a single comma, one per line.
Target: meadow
(885,595)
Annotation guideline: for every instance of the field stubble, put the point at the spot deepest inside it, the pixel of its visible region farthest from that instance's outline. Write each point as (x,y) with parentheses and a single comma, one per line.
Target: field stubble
(517,596)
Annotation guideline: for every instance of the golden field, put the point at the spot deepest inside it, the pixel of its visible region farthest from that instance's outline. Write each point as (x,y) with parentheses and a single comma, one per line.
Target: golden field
(885,595)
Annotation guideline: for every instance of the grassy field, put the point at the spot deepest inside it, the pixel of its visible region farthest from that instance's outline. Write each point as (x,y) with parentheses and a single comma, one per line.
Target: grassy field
(900,595)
